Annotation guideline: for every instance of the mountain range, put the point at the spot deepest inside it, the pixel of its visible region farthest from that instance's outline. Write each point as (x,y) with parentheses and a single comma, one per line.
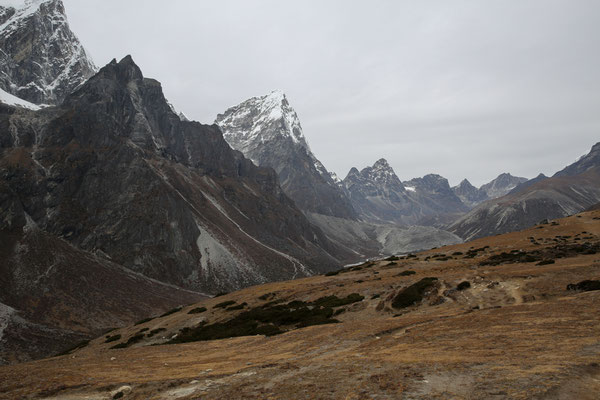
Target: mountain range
(114,207)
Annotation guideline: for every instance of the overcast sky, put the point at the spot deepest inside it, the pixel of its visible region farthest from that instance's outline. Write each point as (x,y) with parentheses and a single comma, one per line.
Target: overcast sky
(459,88)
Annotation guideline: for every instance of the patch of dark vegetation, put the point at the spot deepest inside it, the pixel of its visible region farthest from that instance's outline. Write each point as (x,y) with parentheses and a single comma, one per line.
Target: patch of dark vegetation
(457,253)
(270,319)
(545,262)
(375,296)
(359,281)
(173,311)
(392,258)
(132,340)
(118,395)
(143,321)
(238,307)
(515,256)
(559,250)
(112,338)
(143,330)
(392,263)
(413,294)
(266,296)
(155,331)
(334,301)
(471,253)
(585,286)
(197,310)
(406,273)
(463,285)
(333,273)
(224,304)
(220,294)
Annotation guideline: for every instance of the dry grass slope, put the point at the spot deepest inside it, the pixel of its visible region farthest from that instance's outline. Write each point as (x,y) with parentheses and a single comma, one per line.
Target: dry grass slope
(513,332)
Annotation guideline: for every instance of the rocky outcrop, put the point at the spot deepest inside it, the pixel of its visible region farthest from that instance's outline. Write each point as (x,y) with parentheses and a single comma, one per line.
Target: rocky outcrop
(379,196)
(41,59)
(469,194)
(267,130)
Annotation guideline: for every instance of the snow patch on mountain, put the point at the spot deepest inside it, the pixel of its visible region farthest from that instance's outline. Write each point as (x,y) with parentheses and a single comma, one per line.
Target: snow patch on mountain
(11,100)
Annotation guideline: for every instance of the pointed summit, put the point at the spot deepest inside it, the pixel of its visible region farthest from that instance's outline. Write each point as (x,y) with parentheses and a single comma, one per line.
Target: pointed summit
(267,130)
(270,117)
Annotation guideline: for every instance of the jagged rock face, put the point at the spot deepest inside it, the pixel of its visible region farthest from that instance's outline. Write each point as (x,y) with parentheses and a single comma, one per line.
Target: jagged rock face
(469,194)
(41,61)
(267,130)
(113,170)
(502,185)
(585,163)
(379,196)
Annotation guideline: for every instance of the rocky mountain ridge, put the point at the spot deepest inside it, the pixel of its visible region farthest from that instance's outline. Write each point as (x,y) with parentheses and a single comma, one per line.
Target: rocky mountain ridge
(267,130)
(41,61)
(571,190)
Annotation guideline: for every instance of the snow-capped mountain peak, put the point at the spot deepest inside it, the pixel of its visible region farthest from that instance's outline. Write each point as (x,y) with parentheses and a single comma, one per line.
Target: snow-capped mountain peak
(261,119)
(267,130)
(42,61)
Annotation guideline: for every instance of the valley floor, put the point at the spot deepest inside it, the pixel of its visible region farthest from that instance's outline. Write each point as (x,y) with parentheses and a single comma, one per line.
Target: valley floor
(515,333)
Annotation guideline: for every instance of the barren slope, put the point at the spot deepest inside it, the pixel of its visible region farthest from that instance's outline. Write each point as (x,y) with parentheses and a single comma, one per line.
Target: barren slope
(515,333)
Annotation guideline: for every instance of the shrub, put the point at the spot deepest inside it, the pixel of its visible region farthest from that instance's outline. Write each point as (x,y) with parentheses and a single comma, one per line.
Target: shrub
(113,338)
(221,294)
(238,307)
(333,301)
(375,296)
(406,273)
(173,311)
(155,331)
(333,273)
(197,310)
(413,294)
(585,286)
(224,304)
(266,296)
(392,258)
(132,340)
(463,285)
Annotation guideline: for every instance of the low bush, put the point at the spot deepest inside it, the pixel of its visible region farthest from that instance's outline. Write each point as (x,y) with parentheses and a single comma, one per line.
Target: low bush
(413,294)
(173,311)
(224,304)
(112,338)
(407,273)
(155,331)
(132,340)
(197,310)
(585,286)
(238,307)
(463,285)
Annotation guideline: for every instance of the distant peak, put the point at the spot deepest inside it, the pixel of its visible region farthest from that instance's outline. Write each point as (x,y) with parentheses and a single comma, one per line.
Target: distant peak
(381,162)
